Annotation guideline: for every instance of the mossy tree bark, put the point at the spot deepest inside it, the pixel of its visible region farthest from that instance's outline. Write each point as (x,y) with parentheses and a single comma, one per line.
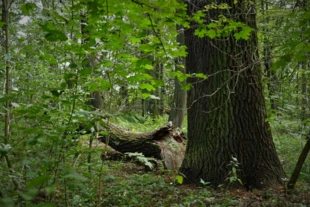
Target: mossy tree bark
(160,143)
(226,112)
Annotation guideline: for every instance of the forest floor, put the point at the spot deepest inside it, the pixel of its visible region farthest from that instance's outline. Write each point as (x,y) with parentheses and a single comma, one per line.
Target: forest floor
(126,184)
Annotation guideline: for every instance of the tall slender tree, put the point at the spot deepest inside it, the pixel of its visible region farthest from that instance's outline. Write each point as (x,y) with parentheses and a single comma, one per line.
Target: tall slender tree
(6,4)
(178,108)
(226,112)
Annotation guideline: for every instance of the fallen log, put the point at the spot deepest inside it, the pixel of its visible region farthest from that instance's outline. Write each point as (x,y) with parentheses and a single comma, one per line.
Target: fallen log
(163,143)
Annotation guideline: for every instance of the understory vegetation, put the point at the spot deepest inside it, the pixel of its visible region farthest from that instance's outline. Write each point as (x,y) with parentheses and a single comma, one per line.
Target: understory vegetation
(79,182)
(69,67)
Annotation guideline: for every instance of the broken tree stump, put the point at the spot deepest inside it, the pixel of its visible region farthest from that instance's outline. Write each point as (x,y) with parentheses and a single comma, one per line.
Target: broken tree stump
(162,143)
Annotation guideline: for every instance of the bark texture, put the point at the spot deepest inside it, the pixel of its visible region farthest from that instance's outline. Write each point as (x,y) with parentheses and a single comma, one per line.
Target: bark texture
(161,144)
(178,108)
(226,112)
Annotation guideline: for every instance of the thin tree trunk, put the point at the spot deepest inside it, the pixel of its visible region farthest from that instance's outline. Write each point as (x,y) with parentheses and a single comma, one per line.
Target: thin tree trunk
(178,108)
(271,75)
(8,84)
(304,98)
(301,160)
(96,97)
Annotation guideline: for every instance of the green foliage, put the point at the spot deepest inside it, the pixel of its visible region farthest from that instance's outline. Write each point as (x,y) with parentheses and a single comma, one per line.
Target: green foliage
(179,179)
(233,174)
(127,54)
(223,28)
(28,8)
(141,159)
(57,66)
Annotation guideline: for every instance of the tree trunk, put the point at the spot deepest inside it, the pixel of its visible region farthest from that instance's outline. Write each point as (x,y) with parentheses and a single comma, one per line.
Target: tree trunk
(226,113)
(178,108)
(95,97)
(304,98)
(8,85)
(301,160)
(160,144)
(267,59)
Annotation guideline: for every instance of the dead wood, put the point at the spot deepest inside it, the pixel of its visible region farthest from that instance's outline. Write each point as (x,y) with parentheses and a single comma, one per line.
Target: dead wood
(161,143)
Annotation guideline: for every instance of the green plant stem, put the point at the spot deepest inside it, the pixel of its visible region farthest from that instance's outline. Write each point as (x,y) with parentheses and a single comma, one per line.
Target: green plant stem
(91,138)
(99,185)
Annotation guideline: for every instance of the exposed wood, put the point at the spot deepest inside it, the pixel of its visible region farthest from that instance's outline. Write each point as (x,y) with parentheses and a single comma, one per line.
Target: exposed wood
(160,144)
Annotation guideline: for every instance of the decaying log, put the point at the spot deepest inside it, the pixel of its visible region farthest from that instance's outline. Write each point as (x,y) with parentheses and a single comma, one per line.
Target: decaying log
(162,143)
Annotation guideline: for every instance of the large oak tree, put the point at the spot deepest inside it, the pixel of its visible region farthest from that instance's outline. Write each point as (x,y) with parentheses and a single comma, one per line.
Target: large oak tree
(226,112)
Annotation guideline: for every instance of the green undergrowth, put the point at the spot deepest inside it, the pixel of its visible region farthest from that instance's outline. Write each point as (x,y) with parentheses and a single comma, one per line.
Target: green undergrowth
(76,176)
(137,123)
(127,184)
(290,137)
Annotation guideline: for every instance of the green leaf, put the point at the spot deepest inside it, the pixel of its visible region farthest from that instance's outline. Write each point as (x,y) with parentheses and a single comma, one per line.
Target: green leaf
(201,75)
(145,95)
(244,33)
(179,179)
(68,76)
(181,76)
(29,195)
(199,17)
(28,8)
(211,33)
(56,35)
(186,86)
(47,27)
(56,92)
(7,202)
(63,85)
(2,24)
(134,40)
(201,31)
(38,181)
(147,86)
(148,67)
(4,99)
(76,176)
(100,85)
(85,71)
(73,65)
(50,189)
